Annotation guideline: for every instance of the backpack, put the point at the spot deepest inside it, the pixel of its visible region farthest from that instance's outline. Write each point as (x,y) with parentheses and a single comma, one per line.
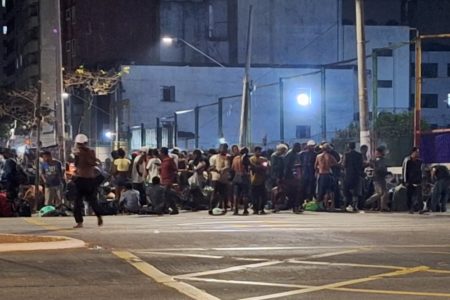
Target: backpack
(47,211)
(5,206)
(23,208)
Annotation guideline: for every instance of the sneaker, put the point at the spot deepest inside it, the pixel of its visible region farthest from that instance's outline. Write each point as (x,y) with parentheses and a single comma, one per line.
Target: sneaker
(349,208)
(262,212)
(245,213)
(78,225)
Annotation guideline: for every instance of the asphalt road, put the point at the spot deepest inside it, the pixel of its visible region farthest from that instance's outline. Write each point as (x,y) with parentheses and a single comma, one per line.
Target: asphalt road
(196,256)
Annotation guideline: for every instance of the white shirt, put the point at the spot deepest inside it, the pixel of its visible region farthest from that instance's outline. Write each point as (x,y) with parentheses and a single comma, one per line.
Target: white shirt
(153,166)
(135,177)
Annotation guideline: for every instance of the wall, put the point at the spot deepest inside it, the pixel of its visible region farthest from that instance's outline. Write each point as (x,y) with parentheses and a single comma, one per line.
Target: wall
(203,85)
(440,85)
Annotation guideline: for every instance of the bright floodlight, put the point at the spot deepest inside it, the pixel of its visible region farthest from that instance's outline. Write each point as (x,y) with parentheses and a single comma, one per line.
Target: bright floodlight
(65,95)
(109,134)
(222,140)
(303,99)
(167,40)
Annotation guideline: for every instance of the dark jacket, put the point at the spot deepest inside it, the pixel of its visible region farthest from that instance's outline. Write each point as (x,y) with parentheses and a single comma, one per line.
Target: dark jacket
(289,164)
(353,166)
(277,166)
(412,171)
(379,169)
(307,160)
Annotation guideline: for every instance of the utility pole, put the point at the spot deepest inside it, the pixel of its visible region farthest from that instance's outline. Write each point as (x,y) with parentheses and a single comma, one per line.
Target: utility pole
(281,86)
(323,102)
(244,138)
(374,87)
(364,133)
(418,95)
(197,124)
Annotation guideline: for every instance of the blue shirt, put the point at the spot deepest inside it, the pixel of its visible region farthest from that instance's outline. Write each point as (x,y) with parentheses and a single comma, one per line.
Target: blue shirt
(52,172)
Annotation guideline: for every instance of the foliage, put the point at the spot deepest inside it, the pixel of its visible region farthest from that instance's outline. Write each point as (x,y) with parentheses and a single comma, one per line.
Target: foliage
(95,82)
(389,125)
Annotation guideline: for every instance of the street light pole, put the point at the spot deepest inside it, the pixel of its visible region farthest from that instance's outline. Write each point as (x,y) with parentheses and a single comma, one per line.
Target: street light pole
(281,87)
(175,39)
(244,138)
(364,133)
(323,109)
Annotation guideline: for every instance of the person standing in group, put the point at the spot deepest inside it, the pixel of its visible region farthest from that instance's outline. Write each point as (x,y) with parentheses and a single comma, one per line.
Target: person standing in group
(169,173)
(241,180)
(277,176)
(291,183)
(84,179)
(380,197)
(153,165)
(325,182)
(307,159)
(120,171)
(138,173)
(440,192)
(220,167)
(258,168)
(53,177)
(353,169)
(412,176)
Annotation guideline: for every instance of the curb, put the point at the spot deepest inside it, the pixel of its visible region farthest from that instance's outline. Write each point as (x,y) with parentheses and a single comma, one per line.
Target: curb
(65,243)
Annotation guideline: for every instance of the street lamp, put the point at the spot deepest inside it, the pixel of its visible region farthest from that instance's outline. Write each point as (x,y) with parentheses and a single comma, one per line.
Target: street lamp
(168,40)
(303,99)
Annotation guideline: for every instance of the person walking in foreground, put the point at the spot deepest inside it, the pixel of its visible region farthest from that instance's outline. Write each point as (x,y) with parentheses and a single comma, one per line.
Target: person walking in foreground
(84,179)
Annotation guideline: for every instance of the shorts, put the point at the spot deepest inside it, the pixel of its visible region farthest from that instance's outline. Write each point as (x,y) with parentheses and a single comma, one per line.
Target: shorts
(325,184)
(53,195)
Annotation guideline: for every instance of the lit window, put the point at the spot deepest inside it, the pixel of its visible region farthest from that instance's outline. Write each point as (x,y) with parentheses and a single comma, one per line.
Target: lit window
(5,29)
(3,3)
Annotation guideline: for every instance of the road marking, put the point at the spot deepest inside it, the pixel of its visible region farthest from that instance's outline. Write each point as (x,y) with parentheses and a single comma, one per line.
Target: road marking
(230,269)
(387,292)
(183,254)
(299,286)
(258,283)
(333,254)
(324,263)
(160,277)
(262,248)
(339,284)
(37,222)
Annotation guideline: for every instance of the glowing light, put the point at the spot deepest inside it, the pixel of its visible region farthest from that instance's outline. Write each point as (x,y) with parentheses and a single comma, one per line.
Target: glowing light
(303,99)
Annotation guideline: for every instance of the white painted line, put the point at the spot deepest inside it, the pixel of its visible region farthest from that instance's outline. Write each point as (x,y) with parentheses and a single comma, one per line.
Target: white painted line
(230,269)
(160,277)
(324,263)
(332,254)
(182,254)
(298,286)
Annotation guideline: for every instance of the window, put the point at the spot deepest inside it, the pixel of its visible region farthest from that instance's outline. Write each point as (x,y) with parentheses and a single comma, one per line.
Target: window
(429,101)
(448,70)
(217,20)
(74,47)
(168,93)
(74,19)
(5,29)
(68,46)
(429,70)
(68,14)
(384,83)
(303,132)
(384,52)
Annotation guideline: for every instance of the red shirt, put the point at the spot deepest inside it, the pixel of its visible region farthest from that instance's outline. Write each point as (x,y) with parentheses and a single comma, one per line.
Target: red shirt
(168,171)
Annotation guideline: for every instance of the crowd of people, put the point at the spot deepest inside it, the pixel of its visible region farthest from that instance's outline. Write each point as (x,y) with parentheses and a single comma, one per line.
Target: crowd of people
(303,176)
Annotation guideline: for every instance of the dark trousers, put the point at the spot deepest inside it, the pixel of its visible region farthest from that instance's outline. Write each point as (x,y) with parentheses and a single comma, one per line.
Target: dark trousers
(439,196)
(219,196)
(140,187)
(414,197)
(293,193)
(259,197)
(309,187)
(86,189)
(170,199)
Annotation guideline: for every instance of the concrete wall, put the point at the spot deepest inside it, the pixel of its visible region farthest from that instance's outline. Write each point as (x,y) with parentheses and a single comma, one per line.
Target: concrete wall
(203,85)
(395,68)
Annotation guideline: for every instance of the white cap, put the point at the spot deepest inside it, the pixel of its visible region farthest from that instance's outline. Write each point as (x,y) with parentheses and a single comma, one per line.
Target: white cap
(81,139)
(311,143)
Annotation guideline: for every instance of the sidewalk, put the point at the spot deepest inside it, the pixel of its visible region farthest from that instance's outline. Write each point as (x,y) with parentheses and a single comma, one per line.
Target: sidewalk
(14,242)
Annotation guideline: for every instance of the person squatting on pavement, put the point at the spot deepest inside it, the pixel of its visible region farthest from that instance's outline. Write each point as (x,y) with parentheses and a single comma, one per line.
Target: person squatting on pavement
(84,179)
